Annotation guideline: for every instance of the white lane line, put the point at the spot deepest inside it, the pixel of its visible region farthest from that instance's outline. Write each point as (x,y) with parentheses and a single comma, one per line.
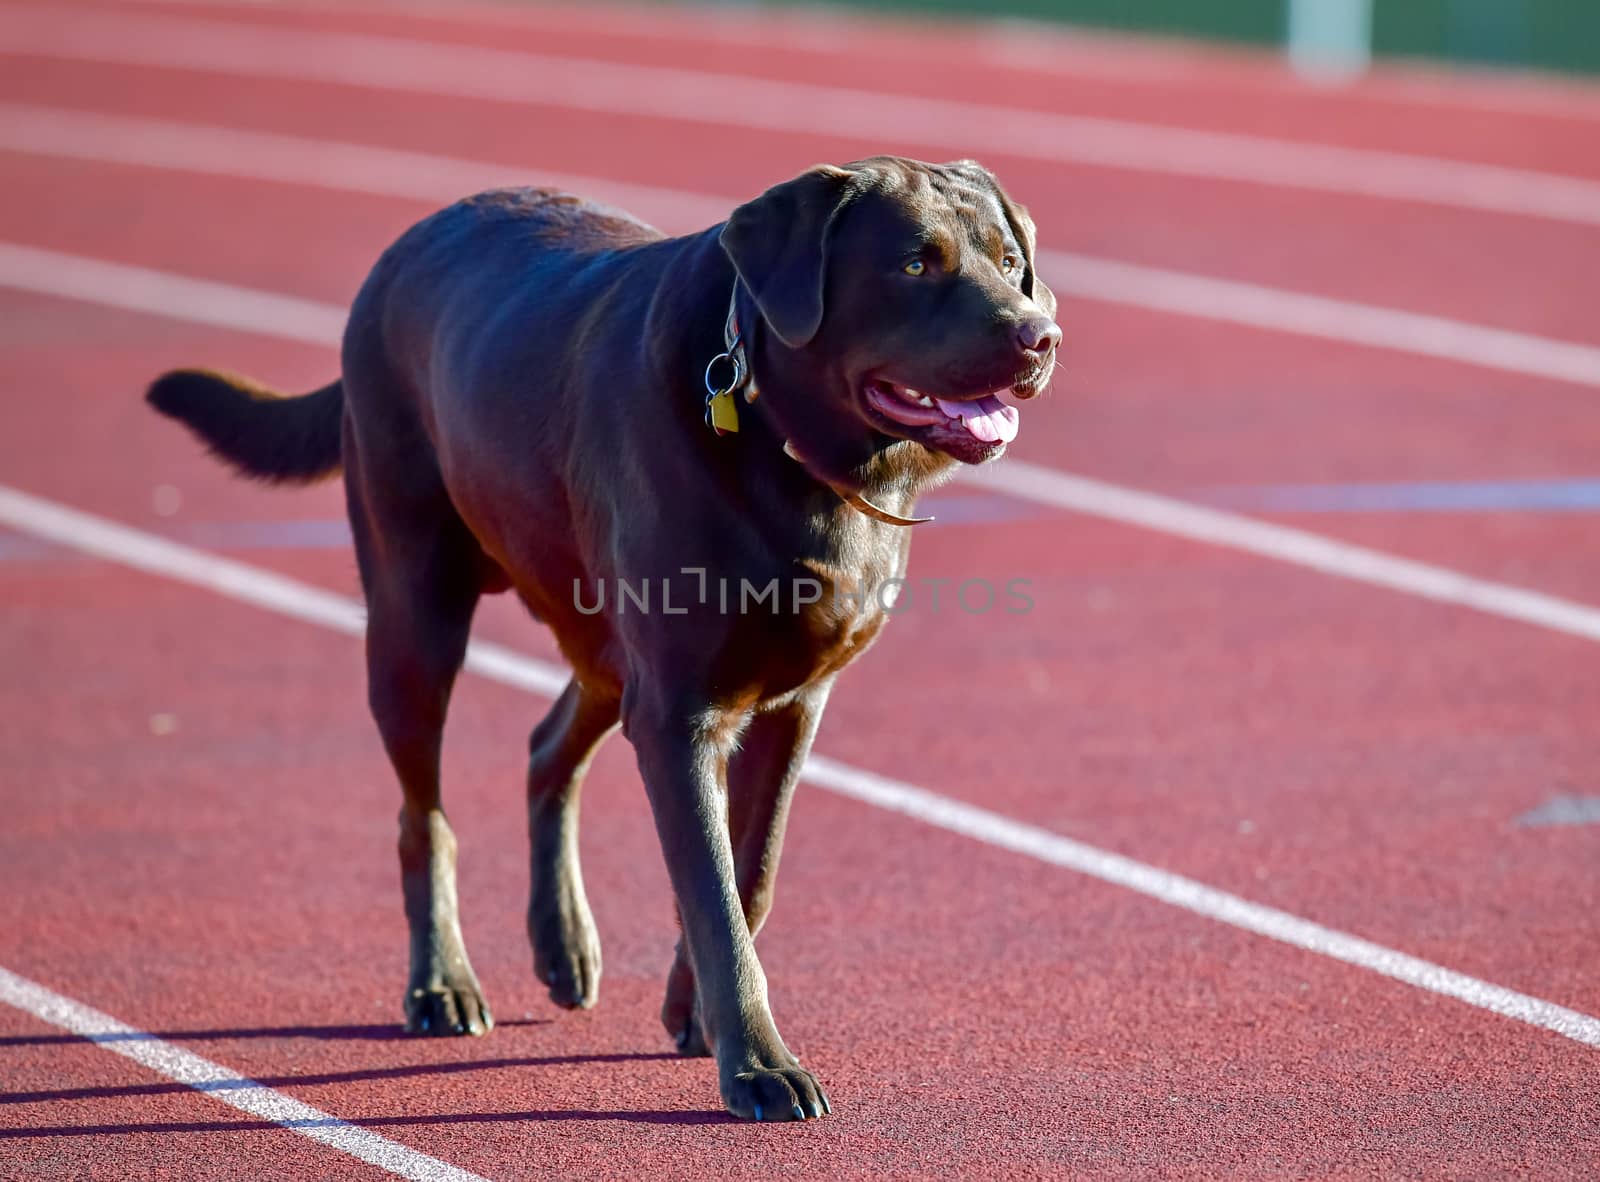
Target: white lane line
(130,547)
(1190,895)
(320,163)
(142,289)
(1017,44)
(160,293)
(1276,310)
(874,117)
(1297,547)
(358,168)
(221,1084)
(249,584)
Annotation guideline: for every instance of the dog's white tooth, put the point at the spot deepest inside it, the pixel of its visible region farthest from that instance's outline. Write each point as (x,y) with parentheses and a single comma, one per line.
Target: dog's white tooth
(924,400)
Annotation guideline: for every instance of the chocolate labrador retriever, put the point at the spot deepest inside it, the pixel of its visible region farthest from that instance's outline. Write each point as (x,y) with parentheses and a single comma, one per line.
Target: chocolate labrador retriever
(538,394)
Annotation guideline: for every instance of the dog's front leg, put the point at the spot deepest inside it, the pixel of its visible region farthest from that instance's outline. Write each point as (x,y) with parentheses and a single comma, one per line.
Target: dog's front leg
(761,783)
(683,752)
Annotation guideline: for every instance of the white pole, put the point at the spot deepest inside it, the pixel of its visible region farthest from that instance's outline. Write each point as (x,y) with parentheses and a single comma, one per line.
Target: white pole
(1330,40)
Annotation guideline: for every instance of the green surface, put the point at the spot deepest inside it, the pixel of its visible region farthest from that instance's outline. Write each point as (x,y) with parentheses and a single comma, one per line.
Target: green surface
(1544,34)
(1550,34)
(1232,20)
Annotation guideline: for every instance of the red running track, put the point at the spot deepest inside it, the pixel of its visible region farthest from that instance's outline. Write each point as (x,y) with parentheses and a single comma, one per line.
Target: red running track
(199,819)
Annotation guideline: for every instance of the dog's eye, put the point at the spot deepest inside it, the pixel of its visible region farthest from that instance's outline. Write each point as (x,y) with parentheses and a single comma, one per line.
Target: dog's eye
(915,267)
(1010,263)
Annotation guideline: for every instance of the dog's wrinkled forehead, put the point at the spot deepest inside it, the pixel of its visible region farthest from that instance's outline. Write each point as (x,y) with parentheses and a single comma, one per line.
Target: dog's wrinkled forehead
(960,199)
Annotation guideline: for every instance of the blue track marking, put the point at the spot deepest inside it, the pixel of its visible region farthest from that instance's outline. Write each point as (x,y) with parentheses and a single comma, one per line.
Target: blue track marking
(19,546)
(333,533)
(978,508)
(1563,810)
(330,533)
(1580,495)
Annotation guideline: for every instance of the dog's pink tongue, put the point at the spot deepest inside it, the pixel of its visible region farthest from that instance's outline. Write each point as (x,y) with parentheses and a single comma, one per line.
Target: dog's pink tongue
(987,418)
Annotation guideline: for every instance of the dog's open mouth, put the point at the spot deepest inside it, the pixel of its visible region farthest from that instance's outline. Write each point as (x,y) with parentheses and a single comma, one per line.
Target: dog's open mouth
(969,428)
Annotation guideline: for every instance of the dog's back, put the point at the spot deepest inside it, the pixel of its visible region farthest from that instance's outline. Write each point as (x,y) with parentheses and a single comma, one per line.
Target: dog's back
(417,299)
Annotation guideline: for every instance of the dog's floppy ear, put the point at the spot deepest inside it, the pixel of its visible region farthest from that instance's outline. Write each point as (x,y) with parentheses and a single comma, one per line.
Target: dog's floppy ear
(1028,236)
(779,247)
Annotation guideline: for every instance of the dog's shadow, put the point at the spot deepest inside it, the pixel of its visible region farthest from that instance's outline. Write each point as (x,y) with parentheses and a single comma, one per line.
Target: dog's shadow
(381,1032)
(374,1033)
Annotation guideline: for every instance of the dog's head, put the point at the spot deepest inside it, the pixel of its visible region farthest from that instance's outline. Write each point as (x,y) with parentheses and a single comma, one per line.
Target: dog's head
(910,291)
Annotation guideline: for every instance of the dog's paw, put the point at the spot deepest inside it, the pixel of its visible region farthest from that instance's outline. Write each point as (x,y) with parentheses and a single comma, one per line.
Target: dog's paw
(690,1042)
(566,954)
(678,1010)
(775,1093)
(684,1028)
(444,1011)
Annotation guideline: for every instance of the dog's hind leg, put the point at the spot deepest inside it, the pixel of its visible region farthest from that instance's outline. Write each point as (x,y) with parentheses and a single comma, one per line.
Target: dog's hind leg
(761,780)
(421,569)
(566,947)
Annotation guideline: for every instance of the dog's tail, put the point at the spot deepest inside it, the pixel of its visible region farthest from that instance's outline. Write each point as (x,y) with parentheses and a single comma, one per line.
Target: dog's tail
(263,434)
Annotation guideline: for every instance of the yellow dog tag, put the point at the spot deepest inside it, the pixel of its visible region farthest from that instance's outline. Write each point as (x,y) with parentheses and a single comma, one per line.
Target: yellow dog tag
(722,412)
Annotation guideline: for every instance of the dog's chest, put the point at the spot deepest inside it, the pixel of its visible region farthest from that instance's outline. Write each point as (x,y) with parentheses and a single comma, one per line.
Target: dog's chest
(852,605)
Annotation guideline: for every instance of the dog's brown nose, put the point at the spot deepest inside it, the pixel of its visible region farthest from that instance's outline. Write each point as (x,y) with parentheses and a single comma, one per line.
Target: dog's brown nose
(1038,334)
